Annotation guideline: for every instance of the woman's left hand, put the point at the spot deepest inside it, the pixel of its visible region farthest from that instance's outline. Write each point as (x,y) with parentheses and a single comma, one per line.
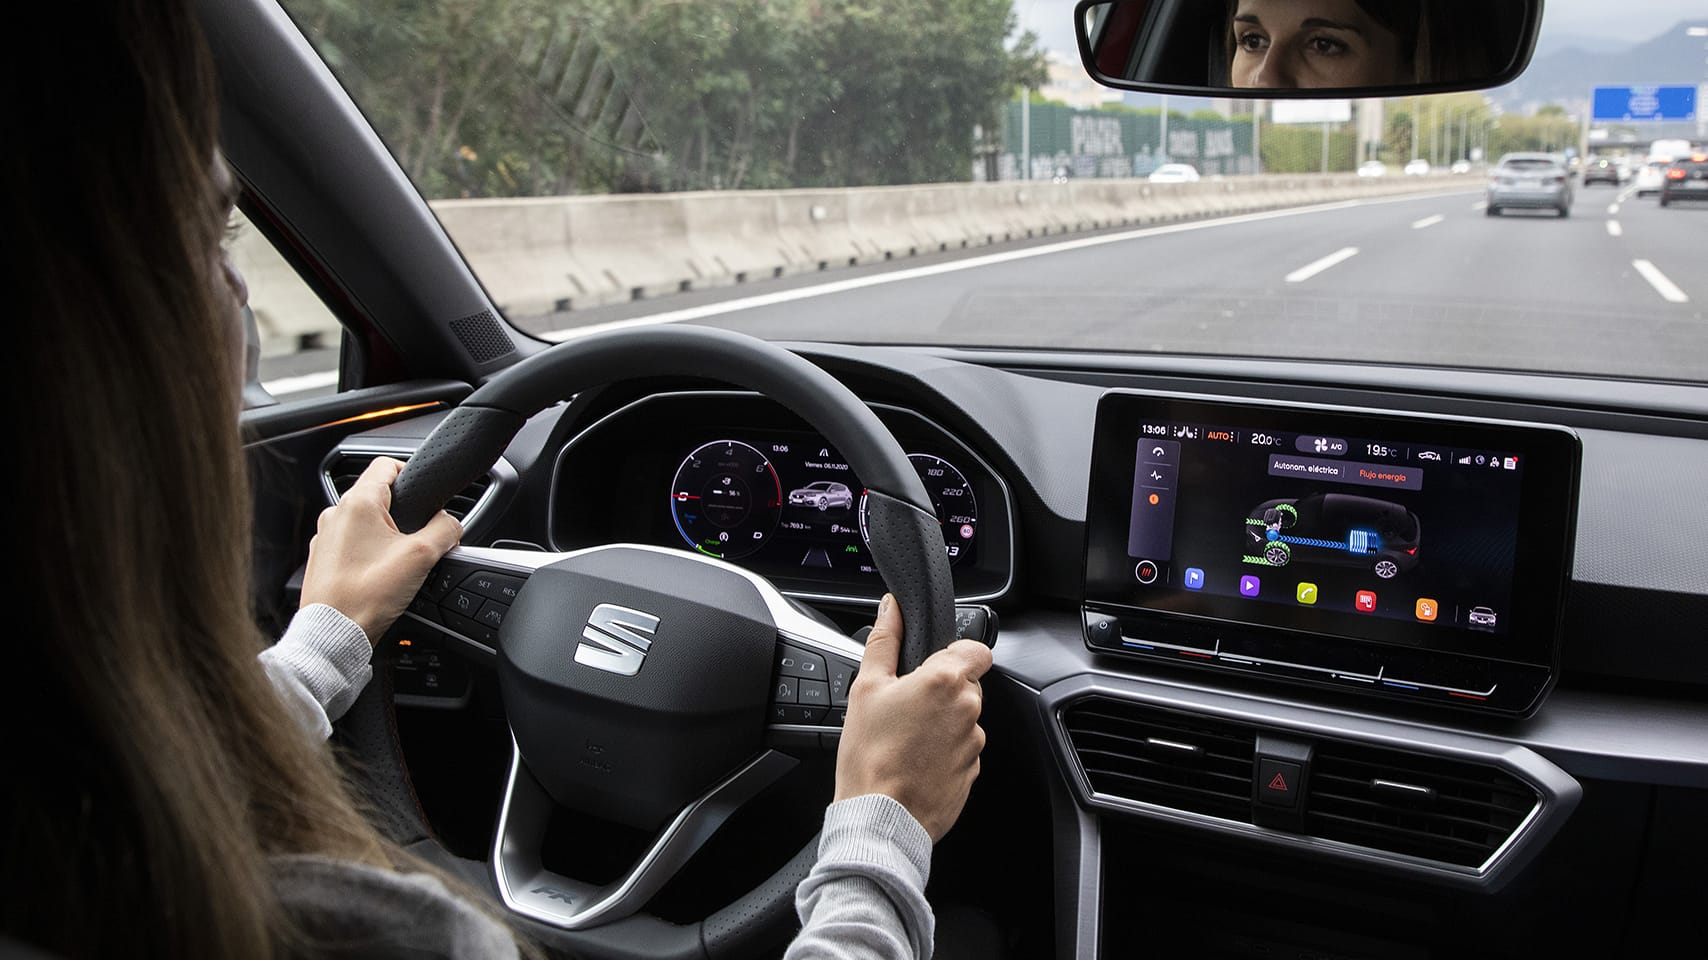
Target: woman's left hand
(361,565)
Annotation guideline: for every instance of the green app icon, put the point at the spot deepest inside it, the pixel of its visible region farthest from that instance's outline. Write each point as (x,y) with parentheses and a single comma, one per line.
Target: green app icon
(1307,593)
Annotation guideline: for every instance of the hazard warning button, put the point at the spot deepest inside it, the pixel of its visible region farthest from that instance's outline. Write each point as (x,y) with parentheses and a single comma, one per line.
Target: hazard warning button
(1279,783)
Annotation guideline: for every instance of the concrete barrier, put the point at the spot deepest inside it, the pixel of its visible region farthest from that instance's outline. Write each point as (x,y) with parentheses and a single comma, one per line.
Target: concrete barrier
(548,254)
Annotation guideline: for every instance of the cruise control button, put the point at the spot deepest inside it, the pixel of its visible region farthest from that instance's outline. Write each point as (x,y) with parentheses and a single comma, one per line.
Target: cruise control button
(787,713)
(439,582)
(462,603)
(795,662)
(494,586)
(424,607)
(785,691)
(841,680)
(492,614)
(815,693)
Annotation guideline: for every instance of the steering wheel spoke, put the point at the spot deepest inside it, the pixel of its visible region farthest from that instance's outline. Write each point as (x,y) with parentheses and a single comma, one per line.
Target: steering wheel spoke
(527,887)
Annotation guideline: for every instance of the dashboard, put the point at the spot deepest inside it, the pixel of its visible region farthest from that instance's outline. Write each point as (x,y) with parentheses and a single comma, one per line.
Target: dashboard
(1522,692)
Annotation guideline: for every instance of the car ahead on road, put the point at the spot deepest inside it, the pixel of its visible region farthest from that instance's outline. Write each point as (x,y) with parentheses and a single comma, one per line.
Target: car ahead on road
(1417,168)
(1529,181)
(430,182)
(1174,173)
(1372,168)
(1602,170)
(1460,166)
(1686,180)
(823,494)
(1651,176)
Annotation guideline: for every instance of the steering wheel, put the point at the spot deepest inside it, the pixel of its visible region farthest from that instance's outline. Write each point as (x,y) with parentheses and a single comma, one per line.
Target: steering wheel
(639,681)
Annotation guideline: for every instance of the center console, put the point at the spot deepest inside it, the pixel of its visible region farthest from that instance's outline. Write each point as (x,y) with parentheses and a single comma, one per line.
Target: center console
(1397,556)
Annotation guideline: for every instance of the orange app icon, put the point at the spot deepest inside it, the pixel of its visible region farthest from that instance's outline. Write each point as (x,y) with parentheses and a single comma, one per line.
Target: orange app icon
(1427,609)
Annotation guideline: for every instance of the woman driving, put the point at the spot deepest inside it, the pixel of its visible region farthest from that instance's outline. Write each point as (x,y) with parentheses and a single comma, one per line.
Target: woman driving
(172,793)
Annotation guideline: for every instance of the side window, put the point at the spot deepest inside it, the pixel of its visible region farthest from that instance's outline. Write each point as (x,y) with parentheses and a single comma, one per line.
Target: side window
(294,338)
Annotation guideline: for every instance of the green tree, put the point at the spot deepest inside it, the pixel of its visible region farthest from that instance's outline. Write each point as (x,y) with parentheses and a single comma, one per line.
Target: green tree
(528,97)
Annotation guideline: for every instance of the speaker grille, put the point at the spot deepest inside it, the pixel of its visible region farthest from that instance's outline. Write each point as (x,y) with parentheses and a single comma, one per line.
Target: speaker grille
(482,336)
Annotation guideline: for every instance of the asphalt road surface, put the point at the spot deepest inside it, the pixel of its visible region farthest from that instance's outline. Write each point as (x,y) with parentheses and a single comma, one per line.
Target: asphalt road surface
(1619,288)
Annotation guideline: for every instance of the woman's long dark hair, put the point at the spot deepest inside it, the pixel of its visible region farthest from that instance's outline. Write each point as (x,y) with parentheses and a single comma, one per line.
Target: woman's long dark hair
(151,768)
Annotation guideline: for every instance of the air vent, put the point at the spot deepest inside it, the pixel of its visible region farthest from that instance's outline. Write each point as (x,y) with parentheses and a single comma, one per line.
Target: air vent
(344,468)
(1449,811)
(1135,752)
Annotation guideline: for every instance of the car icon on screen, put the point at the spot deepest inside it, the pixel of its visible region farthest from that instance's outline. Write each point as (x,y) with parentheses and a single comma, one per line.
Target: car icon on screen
(823,494)
(1333,528)
(1481,617)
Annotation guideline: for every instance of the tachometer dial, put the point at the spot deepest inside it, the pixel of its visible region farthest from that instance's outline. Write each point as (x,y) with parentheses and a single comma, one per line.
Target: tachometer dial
(952,498)
(725,499)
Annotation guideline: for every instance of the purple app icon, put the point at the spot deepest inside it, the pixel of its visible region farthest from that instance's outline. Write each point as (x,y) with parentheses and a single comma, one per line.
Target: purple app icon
(1248,585)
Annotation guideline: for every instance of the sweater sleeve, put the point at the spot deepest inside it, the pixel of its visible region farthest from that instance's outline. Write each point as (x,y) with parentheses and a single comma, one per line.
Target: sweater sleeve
(865,897)
(319,665)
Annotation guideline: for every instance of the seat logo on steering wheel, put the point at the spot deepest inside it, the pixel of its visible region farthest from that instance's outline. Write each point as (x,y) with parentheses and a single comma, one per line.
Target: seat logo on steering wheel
(616,639)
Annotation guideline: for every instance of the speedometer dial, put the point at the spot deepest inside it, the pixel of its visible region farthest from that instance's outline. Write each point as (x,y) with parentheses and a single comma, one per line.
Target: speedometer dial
(952,498)
(725,499)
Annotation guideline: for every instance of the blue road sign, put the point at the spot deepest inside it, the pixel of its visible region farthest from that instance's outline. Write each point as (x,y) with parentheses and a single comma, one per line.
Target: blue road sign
(1644,103)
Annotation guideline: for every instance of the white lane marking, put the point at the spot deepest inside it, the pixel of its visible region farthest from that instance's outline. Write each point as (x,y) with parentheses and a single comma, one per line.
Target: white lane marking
(1427,222)
(1613,228)
(1666,288)
(301,383)
(952,266)
(1315,267)
(1612,209)
(1480,205)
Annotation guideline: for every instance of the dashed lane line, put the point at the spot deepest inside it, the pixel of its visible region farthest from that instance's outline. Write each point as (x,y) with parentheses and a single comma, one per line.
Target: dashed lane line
(1668,290)
(1315,267)
(1427,222)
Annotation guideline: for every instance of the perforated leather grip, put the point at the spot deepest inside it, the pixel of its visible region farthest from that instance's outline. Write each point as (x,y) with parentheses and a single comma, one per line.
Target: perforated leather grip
(907,544)
(463,446)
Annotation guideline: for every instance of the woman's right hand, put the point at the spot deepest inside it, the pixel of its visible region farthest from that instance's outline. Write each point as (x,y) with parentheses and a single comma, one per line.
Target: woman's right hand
(916,738)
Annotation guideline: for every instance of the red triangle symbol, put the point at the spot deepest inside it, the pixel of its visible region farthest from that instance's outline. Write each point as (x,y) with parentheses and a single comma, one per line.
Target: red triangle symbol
(1278,783)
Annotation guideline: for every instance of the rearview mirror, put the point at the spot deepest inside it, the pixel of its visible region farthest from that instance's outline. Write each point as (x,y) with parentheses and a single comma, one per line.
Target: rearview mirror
(1305,48)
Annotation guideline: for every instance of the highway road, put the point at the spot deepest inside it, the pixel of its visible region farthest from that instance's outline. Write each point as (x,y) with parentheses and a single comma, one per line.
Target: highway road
(1619,288)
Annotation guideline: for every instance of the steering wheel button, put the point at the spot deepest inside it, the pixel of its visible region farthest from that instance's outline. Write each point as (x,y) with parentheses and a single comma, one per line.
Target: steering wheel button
(815,693)
(795,662)
(462,603)
(796,714)
(494,586)
(492,614)
(786,690)
(841,678)
(440,581)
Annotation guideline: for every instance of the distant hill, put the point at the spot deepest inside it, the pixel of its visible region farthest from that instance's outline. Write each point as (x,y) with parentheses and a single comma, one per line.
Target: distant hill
(1566,74)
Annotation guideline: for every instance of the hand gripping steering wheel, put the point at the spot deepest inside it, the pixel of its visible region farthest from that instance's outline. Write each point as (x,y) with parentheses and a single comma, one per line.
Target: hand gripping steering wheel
(636,679)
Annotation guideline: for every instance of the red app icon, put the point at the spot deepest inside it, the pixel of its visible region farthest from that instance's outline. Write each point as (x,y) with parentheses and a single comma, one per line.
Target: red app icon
(1366,602)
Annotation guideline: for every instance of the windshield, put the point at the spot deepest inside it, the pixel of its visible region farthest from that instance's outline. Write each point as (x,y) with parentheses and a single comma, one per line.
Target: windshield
(888,171)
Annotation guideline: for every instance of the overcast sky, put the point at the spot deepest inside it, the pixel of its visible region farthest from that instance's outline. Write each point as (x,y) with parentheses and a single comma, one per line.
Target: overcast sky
(1627,20)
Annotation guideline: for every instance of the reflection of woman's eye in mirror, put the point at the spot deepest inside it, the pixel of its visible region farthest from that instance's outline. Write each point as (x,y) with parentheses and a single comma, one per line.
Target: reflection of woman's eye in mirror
(1252,41)
(1326,46)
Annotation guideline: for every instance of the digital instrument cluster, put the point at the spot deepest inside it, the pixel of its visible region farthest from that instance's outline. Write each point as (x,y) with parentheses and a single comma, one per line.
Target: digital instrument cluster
(791,497)
(739,478)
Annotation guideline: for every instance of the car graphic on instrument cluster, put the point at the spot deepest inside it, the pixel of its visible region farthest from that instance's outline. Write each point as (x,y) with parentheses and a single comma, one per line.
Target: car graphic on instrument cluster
(1333,528)
(823,494)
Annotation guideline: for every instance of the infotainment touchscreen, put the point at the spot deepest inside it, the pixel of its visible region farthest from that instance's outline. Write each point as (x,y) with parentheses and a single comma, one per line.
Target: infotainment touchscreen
(1409,556)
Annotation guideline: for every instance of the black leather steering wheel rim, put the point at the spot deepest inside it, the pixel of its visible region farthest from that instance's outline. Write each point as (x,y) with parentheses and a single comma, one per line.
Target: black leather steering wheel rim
(902,529)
